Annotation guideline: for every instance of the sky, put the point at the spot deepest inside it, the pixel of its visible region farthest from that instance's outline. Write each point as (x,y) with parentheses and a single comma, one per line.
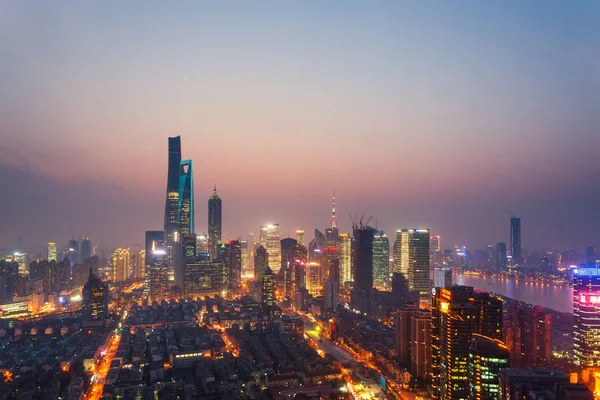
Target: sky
(447,115)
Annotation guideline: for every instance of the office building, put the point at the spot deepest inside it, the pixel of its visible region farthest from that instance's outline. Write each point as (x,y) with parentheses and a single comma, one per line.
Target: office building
(288,252)
(270,240)
(185,205)
(300,236)
(201,243)
(442,277)
(120,261)
(586,308)
(261,262)
(185,254)
(157,270)
(363,258)
(215,213)
(85,248)
(412,258)
(515,240)
(73,252)
(403,248)
(235,264)
(404,316)
(94,301)
(172,197)
(458,313)
(52,256)
(268,288)
(313,279)
(501,255)
(527,332)
(420,345)
(140,265)
(487,356)
(345,258)
(246,269)
(399,288)
(381,258)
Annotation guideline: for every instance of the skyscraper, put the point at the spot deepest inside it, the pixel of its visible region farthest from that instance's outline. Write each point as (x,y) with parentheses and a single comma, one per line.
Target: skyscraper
(420,345)
(363,258)
(185,205)
(261,262)
(402,248)
(52,251)
(214,223)
(527,332)
(156,279)
(269,238)
(458,313)
(442,277)
(300,236)
(515,239)
(345,258)
(381,257)
(268,288)
(172,196)
(94,302)
(245,258)
(121,264)
(586,308)
(235,264)
(74,251)
(201,243)
(85,248)
(501,257)
(436,243)
(413,258)
(487,357)
(313,278)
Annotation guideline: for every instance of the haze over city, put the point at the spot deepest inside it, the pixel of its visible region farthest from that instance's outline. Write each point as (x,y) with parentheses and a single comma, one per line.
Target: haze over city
(450,117)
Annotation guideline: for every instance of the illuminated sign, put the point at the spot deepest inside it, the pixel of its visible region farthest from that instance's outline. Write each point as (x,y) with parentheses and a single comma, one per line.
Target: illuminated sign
(444,307)
(446,294)
(589,298)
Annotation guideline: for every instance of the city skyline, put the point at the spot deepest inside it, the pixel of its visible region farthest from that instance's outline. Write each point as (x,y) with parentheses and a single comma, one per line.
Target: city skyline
(495,130)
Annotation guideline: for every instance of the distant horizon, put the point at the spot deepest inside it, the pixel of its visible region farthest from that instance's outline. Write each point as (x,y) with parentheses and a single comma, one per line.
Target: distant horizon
(451,117)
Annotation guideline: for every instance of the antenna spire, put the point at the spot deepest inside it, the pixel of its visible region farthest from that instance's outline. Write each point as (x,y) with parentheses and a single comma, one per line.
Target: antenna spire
(333,220)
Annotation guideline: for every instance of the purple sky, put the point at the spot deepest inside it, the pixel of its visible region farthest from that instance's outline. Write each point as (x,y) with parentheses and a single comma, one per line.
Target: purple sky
(440,115)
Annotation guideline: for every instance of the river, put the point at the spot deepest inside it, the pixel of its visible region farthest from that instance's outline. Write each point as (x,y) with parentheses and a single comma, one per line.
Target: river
(558,298)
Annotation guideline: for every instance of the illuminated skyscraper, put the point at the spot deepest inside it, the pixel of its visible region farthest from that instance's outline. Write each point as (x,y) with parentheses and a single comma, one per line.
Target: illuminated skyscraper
(313,279)
(268,288)
(52,251)
(140,267)
(94,295)
(261,262)
(413,257)
(345,258)
(245,258)
(402,248)
(201,243)
(121,264)
(185,205)
(74,257)
(172,197)
(458,313)
(300,236)
(586,309)
(420,345)
(157,270)
(269,238)
(214,223)
(487,356)
(515,239)
(21,259)
(381,257)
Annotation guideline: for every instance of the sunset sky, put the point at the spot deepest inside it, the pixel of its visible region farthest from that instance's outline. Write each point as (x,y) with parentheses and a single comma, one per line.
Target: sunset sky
(447,115)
